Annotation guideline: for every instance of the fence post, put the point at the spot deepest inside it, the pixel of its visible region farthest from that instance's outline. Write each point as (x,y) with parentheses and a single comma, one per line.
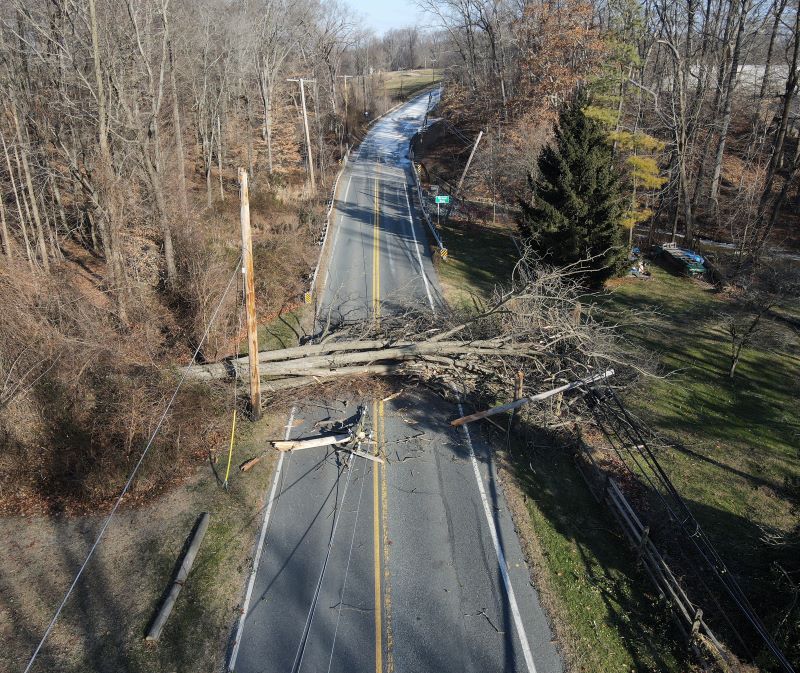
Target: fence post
(698,620)
(642,542)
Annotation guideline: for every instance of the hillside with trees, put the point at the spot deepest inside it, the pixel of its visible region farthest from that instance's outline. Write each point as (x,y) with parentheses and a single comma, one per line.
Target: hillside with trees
(122,128)
(580,142)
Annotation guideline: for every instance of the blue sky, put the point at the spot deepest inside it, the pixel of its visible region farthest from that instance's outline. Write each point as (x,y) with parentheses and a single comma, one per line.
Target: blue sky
(381,15)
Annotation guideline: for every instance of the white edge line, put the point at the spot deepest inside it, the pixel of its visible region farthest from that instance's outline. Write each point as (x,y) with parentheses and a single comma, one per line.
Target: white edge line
(259,548)
(336,235)
(416,245)
(327,223)
(501,558)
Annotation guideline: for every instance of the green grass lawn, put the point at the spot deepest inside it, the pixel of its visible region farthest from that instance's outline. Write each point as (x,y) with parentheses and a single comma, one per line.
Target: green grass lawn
(479,258)
(610,620)
(401,84)
(733,456)
(613,620)
(734,442)
(285,330)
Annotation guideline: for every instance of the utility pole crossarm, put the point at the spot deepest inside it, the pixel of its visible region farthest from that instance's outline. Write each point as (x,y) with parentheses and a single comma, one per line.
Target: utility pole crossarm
(533,398)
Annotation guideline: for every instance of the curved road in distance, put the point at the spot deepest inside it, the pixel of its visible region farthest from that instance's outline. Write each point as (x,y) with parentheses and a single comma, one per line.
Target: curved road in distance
(413,566)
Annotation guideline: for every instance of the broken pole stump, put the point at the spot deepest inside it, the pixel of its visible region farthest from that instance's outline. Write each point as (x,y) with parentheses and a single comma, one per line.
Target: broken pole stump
(180,579)
(250,296)
(518,393)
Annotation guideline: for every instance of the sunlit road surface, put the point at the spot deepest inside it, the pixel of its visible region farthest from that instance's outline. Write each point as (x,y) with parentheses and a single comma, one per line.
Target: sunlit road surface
(409,566)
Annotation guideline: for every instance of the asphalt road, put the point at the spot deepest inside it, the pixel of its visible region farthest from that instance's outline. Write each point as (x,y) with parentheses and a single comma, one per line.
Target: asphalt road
(409,566)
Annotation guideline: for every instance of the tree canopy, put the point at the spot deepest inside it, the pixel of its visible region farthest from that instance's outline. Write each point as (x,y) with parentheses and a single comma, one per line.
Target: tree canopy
(576,213)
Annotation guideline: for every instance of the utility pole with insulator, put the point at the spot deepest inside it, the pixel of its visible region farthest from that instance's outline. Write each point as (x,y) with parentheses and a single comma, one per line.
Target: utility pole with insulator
(345,78)
(346,113)
(249,296)
(305,125)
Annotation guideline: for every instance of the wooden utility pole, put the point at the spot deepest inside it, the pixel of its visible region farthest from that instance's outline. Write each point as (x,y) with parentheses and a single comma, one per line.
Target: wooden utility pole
(305,125)
(519,380)
(345,77)
(533,398)
(457,193)
(250,296)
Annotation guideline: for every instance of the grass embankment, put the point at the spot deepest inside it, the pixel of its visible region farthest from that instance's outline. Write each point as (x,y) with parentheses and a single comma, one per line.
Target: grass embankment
(285,330)
(604,611)
(733,457)
(480,256)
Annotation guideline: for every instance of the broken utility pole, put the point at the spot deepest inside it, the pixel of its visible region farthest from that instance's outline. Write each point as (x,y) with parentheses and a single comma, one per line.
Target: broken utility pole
(457,193)
(305,125)
(250,296)
(533,398)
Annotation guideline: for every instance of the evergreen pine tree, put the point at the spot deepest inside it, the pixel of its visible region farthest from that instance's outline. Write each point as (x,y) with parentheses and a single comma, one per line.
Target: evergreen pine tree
(577,209)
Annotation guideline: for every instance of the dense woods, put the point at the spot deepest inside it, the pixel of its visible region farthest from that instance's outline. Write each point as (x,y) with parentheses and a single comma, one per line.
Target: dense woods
(703,93)
(122,126)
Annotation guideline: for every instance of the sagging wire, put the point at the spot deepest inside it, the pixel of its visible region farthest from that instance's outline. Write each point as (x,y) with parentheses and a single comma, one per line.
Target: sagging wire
(347,567)
(301,648)
(133,474)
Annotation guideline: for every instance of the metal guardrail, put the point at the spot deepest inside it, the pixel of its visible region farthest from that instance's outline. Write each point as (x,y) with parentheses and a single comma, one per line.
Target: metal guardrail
(425,214)
(308,298)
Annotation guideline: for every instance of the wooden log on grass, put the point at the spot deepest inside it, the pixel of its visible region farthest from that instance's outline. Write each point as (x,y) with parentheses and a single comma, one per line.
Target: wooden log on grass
(180,579)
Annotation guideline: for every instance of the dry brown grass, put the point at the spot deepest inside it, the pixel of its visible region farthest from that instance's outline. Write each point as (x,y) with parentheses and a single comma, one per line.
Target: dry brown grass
(82,390)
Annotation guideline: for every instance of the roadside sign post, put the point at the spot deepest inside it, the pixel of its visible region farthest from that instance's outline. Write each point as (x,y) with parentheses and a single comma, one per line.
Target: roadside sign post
(440,199)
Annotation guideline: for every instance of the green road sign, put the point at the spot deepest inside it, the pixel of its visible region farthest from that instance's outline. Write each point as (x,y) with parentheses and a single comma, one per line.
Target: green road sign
(443,199)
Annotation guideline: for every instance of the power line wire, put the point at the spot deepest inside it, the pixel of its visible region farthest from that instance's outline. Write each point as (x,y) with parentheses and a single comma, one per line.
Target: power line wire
(347,567)
(301,648)
(685,520)
(128,483)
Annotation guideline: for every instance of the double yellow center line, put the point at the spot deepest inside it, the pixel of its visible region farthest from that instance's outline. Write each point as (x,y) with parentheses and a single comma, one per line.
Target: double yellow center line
(380,537)
(376,251)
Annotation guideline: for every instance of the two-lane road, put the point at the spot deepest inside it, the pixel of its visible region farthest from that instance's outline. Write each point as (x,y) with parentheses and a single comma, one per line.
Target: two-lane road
(409,566)
(378,258)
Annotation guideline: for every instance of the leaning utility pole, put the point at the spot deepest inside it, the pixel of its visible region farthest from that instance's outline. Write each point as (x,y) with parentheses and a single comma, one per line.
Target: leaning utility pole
(250,296)
(305,124)
(469,161)
(457,193)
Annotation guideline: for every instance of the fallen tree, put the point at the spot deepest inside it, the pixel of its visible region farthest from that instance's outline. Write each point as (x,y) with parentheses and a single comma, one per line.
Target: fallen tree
(538,326)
